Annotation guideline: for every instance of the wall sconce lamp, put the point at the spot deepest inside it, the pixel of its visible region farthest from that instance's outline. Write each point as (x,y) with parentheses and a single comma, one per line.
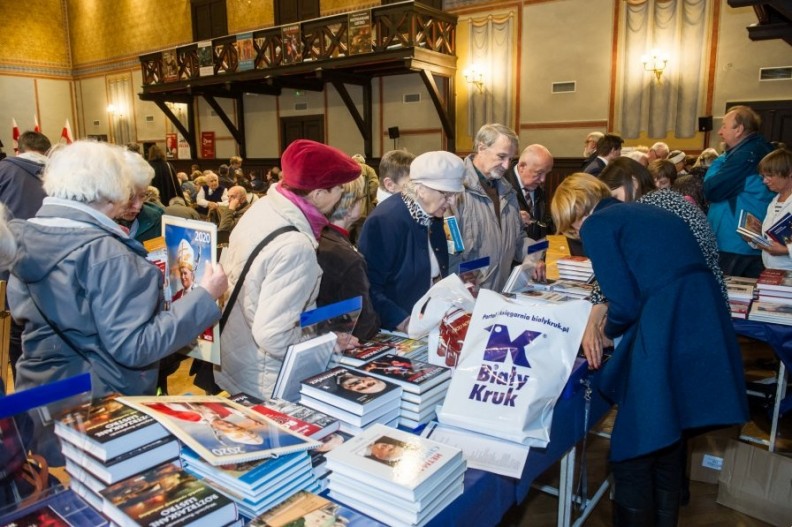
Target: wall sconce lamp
(473,75)
(656,62)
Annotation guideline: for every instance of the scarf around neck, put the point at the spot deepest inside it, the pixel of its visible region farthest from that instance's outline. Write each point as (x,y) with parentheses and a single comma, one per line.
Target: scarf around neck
(315,218)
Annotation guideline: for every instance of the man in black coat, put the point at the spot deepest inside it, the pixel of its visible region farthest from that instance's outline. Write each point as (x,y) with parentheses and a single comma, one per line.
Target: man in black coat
(608,148)
(527,177)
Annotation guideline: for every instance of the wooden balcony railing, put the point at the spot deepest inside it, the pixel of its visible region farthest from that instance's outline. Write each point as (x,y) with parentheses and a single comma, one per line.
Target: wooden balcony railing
(394,26)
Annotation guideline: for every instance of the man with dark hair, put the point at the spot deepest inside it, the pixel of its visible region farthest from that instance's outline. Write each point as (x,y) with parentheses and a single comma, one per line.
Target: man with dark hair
(733,184)
(608,148)
(394,171)
(22,192)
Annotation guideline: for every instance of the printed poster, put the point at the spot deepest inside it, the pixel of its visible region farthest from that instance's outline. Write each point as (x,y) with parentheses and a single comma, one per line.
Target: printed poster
(291,42)
(207,145)
(360,32)
(191,246)
(246,53)
(170,66)
(205,58)
(171,145)
(182,148)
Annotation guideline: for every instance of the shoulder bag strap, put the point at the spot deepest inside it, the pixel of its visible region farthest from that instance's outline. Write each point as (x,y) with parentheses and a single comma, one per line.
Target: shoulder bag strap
(238,287)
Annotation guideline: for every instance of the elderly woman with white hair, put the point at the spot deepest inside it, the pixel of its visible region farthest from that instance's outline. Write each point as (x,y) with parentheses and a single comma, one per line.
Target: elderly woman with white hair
(403,240)
(83,289)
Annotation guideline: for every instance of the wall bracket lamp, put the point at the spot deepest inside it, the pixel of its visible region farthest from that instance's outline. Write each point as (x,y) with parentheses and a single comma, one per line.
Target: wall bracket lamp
(473,75)
(656,62)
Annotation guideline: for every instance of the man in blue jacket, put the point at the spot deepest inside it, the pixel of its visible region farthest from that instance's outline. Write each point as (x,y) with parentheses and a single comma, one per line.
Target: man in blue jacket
(733,184)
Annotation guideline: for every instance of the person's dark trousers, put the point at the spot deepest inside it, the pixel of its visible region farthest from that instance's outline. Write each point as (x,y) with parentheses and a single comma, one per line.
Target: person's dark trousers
(15,346)
(747,265)
(646,490)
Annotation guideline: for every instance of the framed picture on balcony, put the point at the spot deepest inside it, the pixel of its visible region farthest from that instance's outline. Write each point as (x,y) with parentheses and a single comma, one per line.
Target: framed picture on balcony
(205,58)
(359,32)
(291,40)
(170,65)
(246,53)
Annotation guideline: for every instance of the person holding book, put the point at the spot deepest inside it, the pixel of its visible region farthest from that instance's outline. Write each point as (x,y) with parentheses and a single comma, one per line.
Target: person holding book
(343,268)
(403,240)
(677,365)
(83,289)
(284,276)
(776,170)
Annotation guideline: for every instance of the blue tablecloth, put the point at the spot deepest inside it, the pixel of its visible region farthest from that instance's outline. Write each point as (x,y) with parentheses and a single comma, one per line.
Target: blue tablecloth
(777,336)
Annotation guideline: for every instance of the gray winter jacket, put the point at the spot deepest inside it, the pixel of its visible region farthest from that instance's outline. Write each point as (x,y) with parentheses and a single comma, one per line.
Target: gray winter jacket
(504,244)
(95,285)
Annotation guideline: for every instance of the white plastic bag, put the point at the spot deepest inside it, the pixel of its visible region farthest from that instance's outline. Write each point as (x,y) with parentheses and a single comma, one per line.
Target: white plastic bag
(448,294)
(515,362)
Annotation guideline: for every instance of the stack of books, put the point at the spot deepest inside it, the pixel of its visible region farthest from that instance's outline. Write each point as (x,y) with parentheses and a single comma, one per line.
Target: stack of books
(308,509)
(396,477)
(357,400)
(255,486)
(575,268)
(423,385)
(294,416)
(109,442)
(382,344)
(318,460)
(167,495)
(774,297)
(741,294)
(55,507)
(556,291)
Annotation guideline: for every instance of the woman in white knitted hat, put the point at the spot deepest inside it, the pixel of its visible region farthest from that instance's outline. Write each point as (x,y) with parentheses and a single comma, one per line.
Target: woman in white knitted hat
(403,240)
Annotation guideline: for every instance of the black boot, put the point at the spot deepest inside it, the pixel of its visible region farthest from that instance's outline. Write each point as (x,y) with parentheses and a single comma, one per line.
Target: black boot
(666,508)
(627,517)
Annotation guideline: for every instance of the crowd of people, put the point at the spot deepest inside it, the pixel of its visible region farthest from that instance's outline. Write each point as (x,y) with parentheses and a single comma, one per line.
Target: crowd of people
(659,228)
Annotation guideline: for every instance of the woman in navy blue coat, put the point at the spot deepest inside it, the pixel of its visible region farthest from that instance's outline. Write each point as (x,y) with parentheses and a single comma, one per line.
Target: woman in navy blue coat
(677,366)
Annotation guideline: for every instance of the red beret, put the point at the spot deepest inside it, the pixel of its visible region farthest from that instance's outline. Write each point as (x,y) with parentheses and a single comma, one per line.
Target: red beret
(308,165)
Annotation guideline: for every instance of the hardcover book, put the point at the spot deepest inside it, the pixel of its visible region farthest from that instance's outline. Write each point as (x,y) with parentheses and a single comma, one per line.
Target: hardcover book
(575,262)
(774,280)
(246,53)
(750,226)
(395,461)
(414,376)
(220,431)
(781,231)
(303,360)
(383,413)
(350,390)
(205,58)
(166,495)
(108,428)
(127,464)
(295,416)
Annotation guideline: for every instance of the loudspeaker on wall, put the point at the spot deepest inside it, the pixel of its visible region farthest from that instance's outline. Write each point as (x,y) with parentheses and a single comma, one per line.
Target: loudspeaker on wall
(705,124)
(393,132)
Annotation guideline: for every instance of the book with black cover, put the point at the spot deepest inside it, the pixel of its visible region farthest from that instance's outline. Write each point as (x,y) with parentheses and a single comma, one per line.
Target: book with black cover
(166,495)
(414,376)
(350,390)
(108,429)
(126,464)
(219,430)
(57,508)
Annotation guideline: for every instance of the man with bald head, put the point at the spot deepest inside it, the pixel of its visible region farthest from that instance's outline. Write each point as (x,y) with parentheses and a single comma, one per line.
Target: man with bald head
(239,201)
(527,177)
(658,151)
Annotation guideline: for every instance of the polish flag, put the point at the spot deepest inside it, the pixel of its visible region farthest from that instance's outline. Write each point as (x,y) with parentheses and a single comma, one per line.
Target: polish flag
(15,135)
(36,127)
(66,133)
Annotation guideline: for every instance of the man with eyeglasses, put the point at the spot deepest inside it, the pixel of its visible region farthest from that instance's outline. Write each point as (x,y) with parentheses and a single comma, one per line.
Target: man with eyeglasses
(528,177)
(487,211)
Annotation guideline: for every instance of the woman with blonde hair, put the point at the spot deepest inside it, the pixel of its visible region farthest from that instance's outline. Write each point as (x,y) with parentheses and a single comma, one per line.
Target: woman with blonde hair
(676,364)
(343,268)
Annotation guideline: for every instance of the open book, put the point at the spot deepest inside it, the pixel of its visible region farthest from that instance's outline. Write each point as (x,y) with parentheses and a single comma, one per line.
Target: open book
(751,227)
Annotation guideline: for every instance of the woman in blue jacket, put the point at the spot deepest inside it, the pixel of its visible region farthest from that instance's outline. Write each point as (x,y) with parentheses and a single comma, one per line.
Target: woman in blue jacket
(677,365)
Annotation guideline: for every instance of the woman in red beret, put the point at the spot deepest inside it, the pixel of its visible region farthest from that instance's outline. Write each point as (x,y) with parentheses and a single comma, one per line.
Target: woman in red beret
(283,280)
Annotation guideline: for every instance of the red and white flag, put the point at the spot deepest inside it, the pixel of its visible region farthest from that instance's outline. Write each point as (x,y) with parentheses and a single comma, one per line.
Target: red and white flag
(36,127)
(15,135)
(66,133)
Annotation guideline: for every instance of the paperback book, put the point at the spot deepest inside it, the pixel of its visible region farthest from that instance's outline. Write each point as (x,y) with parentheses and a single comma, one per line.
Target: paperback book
(350,390)
(221,431)
(108,428)
(306,508)
(166,495)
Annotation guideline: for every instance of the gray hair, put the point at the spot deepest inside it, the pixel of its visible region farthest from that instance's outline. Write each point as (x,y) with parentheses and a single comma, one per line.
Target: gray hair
(89,172)
(141,172)
(489,133)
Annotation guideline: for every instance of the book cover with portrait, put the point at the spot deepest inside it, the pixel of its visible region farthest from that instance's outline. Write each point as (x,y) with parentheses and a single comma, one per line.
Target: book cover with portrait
(221,431)
(191,246)
(350,390)
(412,375)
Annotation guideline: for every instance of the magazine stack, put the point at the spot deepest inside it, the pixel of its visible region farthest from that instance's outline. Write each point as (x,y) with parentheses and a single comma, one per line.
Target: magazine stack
(741,293)
(575,268)
(306,508)
(167,495)
(396,477)
(423,385)
(108,443)
(774,297)
(255,486)
(357,400)
(381,344)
